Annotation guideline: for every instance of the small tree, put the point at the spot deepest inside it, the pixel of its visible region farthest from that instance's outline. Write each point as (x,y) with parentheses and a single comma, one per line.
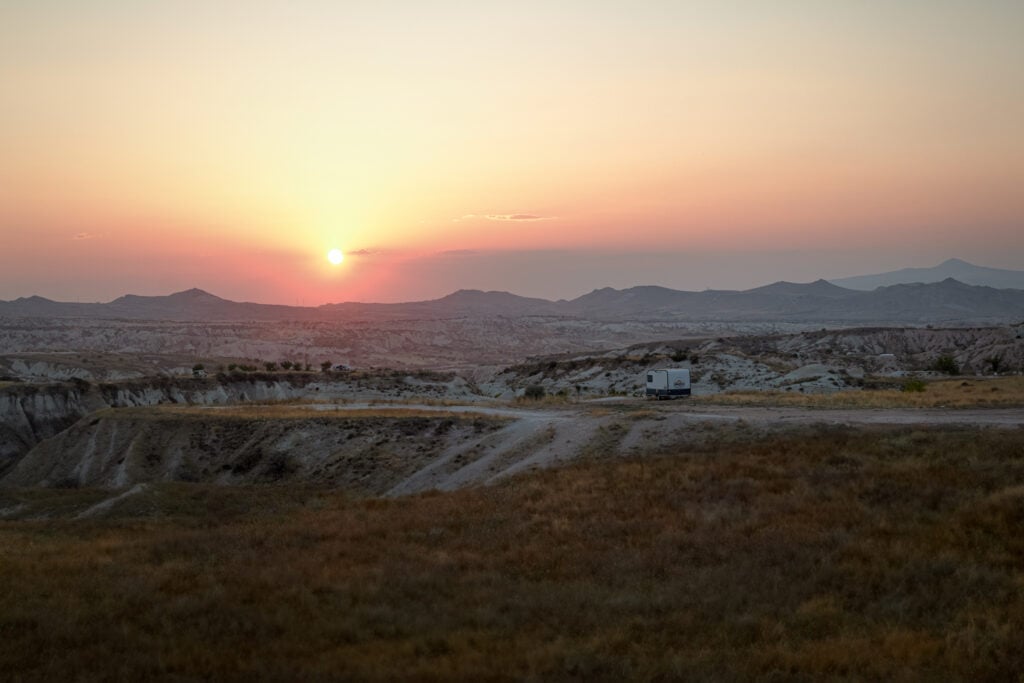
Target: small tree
(286,364)
(947,364)
(198,369)
(995,362)
(326,366)
(270,366)
(534,392)
(913,385)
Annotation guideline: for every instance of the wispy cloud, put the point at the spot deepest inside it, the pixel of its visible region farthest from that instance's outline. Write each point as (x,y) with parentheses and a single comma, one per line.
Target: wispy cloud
(84,236)
(526,217)
(516,217)
(363,252)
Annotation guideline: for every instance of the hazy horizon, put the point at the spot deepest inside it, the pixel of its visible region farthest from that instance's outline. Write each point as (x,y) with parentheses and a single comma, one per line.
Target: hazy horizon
(541,149)
(487,266)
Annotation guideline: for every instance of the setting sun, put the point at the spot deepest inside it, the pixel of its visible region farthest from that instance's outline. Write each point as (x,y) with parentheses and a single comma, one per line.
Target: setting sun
(335,256)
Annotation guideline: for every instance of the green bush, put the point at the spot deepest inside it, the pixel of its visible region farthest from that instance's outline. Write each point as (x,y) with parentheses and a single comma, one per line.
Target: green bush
(534,392)
(946,364)
(914,385)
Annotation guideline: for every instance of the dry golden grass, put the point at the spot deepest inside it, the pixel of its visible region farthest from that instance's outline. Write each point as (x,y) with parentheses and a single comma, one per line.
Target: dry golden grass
(885,554)
(547,401)
(292,411)
(995,392)
(440,402)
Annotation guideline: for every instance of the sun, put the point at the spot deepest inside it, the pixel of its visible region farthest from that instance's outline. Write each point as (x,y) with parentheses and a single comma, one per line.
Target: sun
(335,256)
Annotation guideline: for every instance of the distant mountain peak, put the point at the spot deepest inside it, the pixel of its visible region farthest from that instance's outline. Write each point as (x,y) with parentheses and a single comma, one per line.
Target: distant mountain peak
(476,295)
(194,293)
(819,287)
(955,268)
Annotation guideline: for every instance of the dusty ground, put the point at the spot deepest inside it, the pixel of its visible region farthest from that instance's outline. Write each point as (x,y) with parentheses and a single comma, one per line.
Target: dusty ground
(405,448)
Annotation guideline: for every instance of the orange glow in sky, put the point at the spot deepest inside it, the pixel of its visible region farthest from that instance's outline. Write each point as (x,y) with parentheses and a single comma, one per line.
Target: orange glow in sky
(150,147)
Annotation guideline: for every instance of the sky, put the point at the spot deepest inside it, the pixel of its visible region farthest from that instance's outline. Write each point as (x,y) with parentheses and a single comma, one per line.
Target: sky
(543,148)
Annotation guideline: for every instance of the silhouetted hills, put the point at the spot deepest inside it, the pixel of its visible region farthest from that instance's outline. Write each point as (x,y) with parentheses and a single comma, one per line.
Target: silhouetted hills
(941,302)
(955,268)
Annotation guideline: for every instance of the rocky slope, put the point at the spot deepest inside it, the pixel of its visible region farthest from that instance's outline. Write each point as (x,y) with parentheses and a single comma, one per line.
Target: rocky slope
(812,361)
(39,424)
(31,413)
(424,343)
(120,448)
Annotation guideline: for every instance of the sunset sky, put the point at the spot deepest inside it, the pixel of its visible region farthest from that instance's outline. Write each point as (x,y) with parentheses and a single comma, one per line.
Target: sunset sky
(544,148)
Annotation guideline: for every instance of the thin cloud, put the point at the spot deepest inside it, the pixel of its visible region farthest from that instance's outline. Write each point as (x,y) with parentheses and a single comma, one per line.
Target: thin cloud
(503,217)
(517,217)
(84,236)
(363,252)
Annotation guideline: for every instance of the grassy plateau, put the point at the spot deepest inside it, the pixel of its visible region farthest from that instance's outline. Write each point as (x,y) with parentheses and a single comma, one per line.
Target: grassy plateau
(967,392)
(825,553)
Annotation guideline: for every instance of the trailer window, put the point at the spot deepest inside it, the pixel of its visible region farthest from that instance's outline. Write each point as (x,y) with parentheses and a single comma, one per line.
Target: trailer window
(650,378)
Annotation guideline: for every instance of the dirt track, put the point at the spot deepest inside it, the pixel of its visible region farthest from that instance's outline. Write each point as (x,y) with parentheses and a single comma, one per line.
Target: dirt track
(1002,417)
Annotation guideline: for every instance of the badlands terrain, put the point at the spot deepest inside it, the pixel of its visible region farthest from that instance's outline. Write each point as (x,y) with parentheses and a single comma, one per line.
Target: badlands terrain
(111,402)
(369,493)
(117,420)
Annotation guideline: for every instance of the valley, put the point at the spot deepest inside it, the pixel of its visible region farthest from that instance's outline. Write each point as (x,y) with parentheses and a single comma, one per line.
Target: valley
(413,494)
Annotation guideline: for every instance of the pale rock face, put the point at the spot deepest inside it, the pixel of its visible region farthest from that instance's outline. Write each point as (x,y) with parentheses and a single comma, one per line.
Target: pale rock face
(48,371)
(29,414)
(803,360)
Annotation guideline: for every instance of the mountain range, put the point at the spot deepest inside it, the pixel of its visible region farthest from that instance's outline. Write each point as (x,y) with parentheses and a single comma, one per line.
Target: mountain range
(947,301)
(955,268)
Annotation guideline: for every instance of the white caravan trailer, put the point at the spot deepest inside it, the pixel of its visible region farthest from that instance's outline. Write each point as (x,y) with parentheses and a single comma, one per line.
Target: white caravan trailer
(668,383)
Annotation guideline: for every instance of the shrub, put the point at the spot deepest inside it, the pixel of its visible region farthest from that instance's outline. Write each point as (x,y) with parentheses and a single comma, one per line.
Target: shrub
(325,366)
(914,385)
(947,364)
(270,366)
(286,364)
(534,392)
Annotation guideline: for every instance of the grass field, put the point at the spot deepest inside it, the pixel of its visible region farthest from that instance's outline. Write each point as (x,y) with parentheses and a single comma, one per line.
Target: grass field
(839,554)
(968,392)
(294,411)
